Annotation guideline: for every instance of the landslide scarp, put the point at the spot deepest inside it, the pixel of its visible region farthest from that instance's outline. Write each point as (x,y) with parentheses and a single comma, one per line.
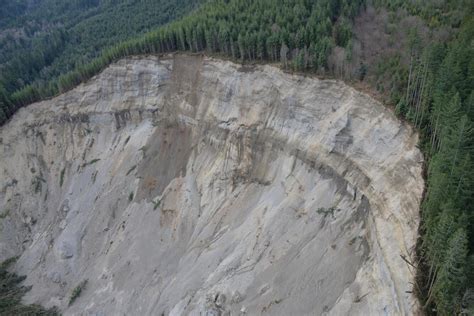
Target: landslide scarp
(189,185)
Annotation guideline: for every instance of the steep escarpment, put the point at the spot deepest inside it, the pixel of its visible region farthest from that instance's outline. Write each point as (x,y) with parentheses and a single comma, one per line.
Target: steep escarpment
(188,185)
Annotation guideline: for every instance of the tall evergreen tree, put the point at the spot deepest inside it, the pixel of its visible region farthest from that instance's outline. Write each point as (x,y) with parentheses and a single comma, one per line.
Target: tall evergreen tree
(452,276)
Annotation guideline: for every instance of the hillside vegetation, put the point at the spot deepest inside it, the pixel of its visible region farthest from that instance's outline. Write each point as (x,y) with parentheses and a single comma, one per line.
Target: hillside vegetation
(425,67)
(40,40)
(11,293)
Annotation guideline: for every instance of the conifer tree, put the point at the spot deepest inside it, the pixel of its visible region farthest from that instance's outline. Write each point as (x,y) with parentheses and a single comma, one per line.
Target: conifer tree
(452,275)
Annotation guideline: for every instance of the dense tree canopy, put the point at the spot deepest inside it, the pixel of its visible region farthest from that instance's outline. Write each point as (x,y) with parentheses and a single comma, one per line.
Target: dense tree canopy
(305,31)
(40,40)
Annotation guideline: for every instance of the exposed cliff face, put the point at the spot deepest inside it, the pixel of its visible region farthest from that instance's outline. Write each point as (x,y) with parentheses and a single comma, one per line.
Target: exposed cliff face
(189,185)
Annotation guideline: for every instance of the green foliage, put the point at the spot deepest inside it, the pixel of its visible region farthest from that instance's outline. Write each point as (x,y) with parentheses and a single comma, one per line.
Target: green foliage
(61,177)
(327,211)
(11,293)
(361,72)
(130,197)
(242,29)
(342,32)
(438,101)
(93,161)
(446,12)
(36,182)
(76,292)
(94,176)
(436,93)
(131,169)
(451,281)
(4,214)
(156,204)
(49,38)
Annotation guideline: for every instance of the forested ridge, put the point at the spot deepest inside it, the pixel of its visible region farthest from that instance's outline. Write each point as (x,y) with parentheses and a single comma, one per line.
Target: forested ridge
(42,39)
(424,67)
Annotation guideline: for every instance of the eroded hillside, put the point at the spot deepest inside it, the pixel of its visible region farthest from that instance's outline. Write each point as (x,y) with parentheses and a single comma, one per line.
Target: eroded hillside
(189,185)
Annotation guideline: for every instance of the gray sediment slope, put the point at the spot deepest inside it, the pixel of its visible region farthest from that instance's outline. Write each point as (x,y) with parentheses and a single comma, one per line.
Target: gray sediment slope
(186,185)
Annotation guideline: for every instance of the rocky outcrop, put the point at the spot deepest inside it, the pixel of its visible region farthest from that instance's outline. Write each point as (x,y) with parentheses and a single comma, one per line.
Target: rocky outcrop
(188,185)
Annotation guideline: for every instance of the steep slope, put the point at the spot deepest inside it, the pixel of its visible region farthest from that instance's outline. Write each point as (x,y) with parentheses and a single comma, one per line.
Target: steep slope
(186,184)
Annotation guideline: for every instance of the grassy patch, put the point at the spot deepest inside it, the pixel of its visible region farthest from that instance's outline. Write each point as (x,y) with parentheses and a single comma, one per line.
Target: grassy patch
(130,197)
(76,292)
